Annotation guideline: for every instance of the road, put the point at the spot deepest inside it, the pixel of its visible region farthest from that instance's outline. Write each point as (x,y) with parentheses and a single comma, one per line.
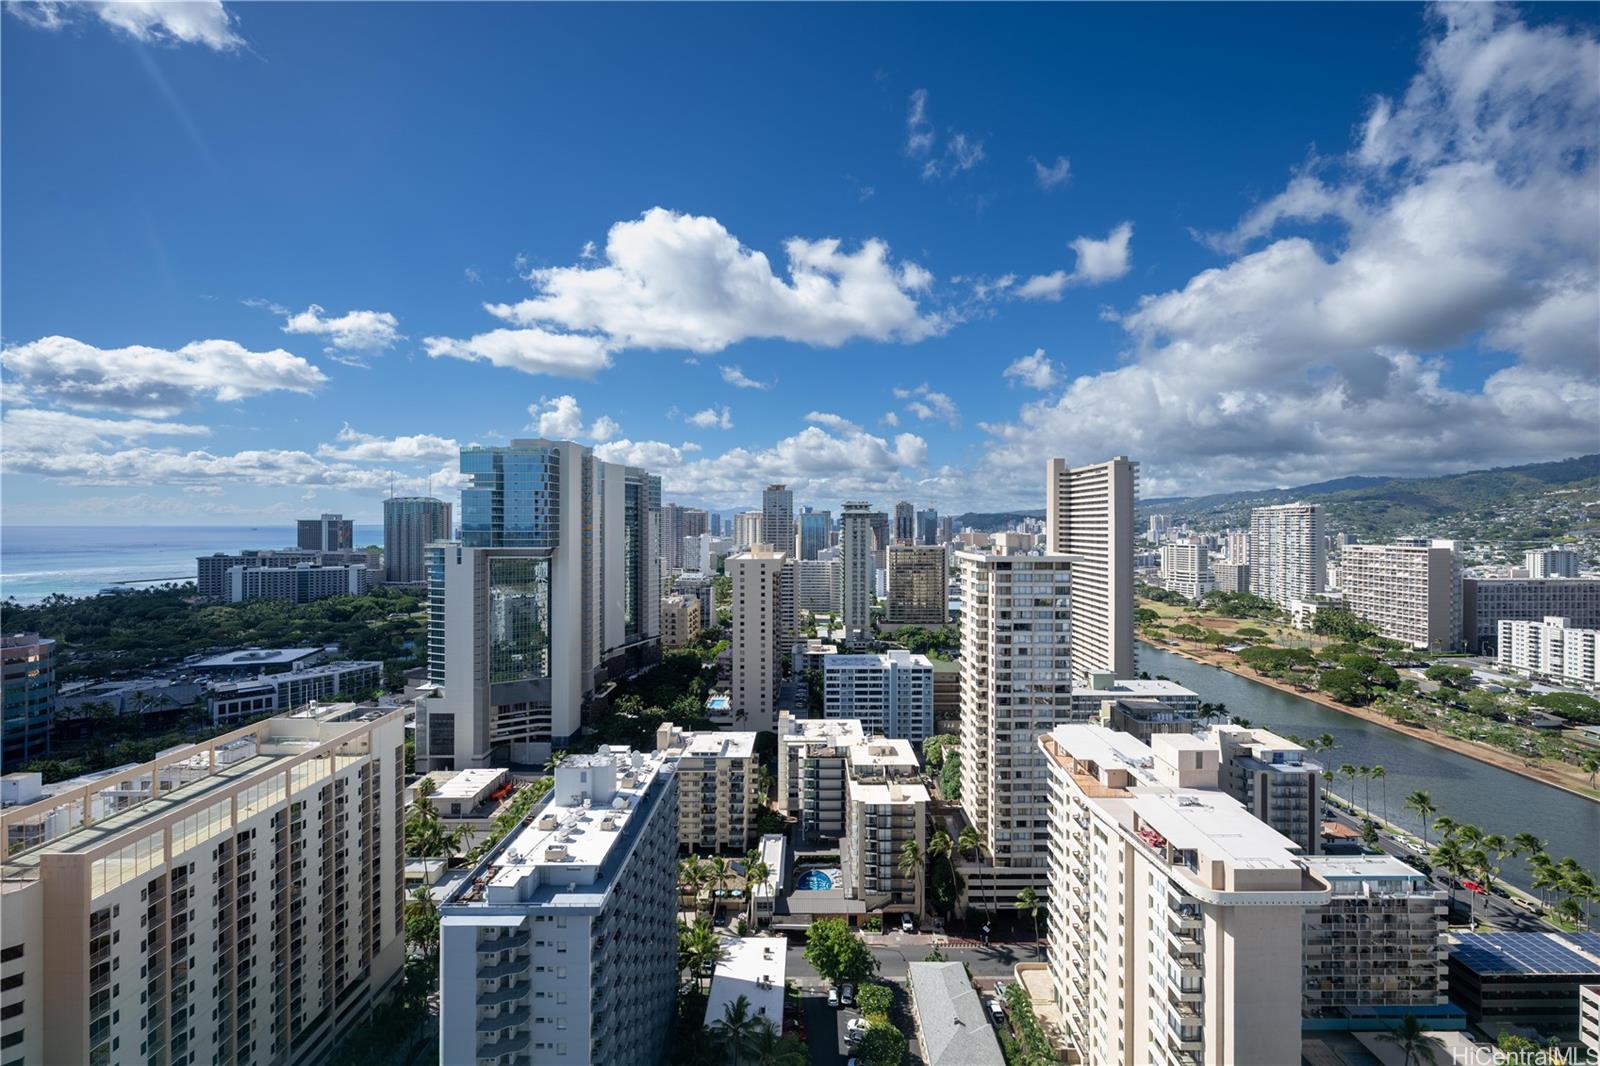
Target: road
(993,961)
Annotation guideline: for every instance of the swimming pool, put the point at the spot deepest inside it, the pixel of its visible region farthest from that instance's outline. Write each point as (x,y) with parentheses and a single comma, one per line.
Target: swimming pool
(813,881)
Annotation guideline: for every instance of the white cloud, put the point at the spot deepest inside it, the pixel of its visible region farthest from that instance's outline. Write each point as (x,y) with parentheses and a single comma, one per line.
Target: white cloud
(1098,261)
(560,418)
(711,418)
(737,378)
(1467,214)
(890,419)
(1035,371)
(167,22)
(1052,175)
(927,404)
(684,282)
(356,446)
(152,381)
(919,131)
(962,151)
(365,331)
(653,455)
(532,351)
(31,429)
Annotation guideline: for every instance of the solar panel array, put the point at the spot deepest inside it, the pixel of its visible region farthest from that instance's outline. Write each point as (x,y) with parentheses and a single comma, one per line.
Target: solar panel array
(1529,953)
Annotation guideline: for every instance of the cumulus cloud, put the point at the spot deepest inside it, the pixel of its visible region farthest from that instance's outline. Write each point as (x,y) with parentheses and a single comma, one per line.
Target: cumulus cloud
(676,281)
(532,351)
(355,446)
(1035,371)
(162,22)
(1467,213)
(560,418)
(927,404)
(364,331)
(1051,175)
(1098,261)
(31,429)
(654,455)
(739,379)
(712,418)
(152,381)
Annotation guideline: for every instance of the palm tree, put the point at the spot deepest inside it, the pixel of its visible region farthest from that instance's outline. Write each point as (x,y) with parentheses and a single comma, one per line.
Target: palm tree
(1579,886)
(1591,766)
(736,1028)
(1422,806)
(691,875)
(1381,775)
(769,1047)
(1028,903)
(1526,843)
(940,846)
(1448,856)
(755,873)
(1446,826)
(1475,861)
(970,843)
(1469,835)
(699,948)
(1346,770)
(1410,1038)
(717,874)
(422,921)
(1546,875)
(911,862)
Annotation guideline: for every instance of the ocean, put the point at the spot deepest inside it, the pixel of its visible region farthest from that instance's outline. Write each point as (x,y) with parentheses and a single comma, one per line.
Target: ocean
(36,561)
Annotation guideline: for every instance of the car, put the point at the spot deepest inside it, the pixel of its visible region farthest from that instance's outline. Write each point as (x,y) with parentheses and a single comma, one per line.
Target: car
(997,1012)
(833,997)
(906,925)
(848,996)
(720,919)
(855,1030)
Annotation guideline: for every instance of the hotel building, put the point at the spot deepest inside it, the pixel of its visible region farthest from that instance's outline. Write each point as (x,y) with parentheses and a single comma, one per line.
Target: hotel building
(1186,570)
(918,587)
(410,524)
(1486,602)
(764,625)
(889,694)
(812,757)
(1552,648)
(680,621)
(887,808)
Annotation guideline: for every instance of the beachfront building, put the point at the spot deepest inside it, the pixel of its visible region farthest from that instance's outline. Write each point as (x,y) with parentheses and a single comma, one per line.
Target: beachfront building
(717,795)
(918,589)
(328,533)
(27,697)
(1288,553)
(1175,916)
(813,754)
(1408,591)
(561,946)
(240,900)
(303,583)
(886,808)
(1268,774)
(890,693)
(1089,514)
(211,571)
(1552,648)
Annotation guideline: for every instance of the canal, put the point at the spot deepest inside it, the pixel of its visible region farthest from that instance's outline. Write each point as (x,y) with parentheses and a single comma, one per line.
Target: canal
(1469,791)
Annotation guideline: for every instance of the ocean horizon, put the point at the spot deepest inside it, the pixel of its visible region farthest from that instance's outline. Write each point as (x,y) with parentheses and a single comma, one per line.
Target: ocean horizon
(37,561)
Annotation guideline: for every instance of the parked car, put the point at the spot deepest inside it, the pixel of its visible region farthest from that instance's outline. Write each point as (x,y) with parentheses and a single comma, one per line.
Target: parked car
(833,997)
(997,1012)
(906,925)
(848,996)
(855,1030)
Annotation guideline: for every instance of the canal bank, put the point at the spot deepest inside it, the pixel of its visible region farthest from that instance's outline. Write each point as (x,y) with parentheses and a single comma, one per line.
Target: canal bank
(1469,791)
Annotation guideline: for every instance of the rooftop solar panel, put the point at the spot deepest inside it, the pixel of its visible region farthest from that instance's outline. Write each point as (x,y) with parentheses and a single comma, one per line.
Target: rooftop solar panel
(1529,953)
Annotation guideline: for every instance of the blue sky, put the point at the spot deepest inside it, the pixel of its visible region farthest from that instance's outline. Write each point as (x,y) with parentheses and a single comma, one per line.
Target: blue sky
(257,260)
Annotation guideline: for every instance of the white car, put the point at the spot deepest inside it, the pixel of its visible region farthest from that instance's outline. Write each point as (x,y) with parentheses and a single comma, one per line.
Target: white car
(905,924)
(997,1012)
(833,997)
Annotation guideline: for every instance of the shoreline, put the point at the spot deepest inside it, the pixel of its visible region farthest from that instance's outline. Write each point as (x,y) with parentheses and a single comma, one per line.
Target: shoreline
(1473,750)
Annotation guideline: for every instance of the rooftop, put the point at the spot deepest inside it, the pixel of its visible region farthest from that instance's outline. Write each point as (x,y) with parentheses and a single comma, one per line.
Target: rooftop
(248,657)
(1133,688)
(1574,954)
(840,731)
(717,745)
(880,661)
(755,969)
(954,1027)
(466,784)
(1361,868)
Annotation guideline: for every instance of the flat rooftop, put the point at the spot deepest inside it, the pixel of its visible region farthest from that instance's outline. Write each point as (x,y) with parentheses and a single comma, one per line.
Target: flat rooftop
(720,745)
(1544,954)
(1218,826)
(1136,688)
(755,969)
(883,752)
(843,732)
(1361,868)
(879,661)
(466,784)
(248,657)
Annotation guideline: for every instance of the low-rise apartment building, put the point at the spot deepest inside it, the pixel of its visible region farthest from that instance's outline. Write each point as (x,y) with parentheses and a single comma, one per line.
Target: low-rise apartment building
(233,701)
(235,901)
(890,693)
(717,797)
(1552,648)
(561,945)
(887,809)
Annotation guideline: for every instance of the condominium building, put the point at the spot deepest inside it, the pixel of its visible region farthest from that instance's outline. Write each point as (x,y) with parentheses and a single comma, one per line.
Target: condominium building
(1268,774)
(678,523)
(234,701)
(1016,683)
(1409,591)
(1092,700)
(717,795)
(561,946)
(857,541)
(1551,562)
(1552,648)
(680,621)
(890,693)
(1186,570)
(919,591)
(1156,531)
(1089,515)
(905,522)
(329,533)
(819,584)
(928,526)
(746,529)
(1231,577)
(1376,948)
(811,654)
(761,633)
(553,589)
(27,697)
(304,583)
(211,571)
(235,901)
(946,696)
(410,523)
(1486,602)
(887,809)
(777,518)
(1288,556)
(697,586)
(1176,916)
(812,756)
(812,533)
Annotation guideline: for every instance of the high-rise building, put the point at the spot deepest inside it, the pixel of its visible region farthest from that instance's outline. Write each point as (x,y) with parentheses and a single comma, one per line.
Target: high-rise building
(305,583)
(1186,570)
(1486,602)
(905,523)
(1089,514)
(777,518)
(1231,577)
(761,634)
(1288,557)
(890,693)
(928,526)
(211,571)
(410,523)
(1015,684)
(680,621)
(562,944)
(553,589)
(28,692)
(330,533)
(886,809)
(717,795)
(856,540)
(813,754)
(1157,529)
(1551,562)
(1266,773)
(747,529)
(1175,915)
(881,531)
(677,523)
(1410,591)
(819,585)
(716,524)
(813,533)
(918,586)
(947,529)
(1551,648)
(239,900)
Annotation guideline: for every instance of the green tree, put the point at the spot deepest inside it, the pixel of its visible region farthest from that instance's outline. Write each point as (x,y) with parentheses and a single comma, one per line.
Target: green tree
(756,872)
(1028,903)
(735,1030)
(1421,804)
(950,776)
(699,950)
(1343,685)
(422,922)
(1449,675)
(970,843)
(836,953)
(884,1045)
(911,861)
(874,998)
(768,1047)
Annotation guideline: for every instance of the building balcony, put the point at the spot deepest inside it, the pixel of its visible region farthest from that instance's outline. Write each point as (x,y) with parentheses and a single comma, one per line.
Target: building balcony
(503,942)
(510,1045)
(516,965)
(508,1020)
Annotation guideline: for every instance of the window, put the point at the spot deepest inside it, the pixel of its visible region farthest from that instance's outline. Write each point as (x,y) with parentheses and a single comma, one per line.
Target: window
(11,954)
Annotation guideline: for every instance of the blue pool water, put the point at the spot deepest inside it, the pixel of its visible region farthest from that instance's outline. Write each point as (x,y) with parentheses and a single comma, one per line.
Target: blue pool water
(813,881)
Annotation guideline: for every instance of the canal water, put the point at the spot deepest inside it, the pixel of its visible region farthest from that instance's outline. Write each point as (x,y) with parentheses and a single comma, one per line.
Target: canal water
(1469,791)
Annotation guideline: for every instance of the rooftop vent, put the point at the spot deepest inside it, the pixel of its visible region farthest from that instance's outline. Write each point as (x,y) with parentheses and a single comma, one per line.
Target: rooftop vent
(555,853)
